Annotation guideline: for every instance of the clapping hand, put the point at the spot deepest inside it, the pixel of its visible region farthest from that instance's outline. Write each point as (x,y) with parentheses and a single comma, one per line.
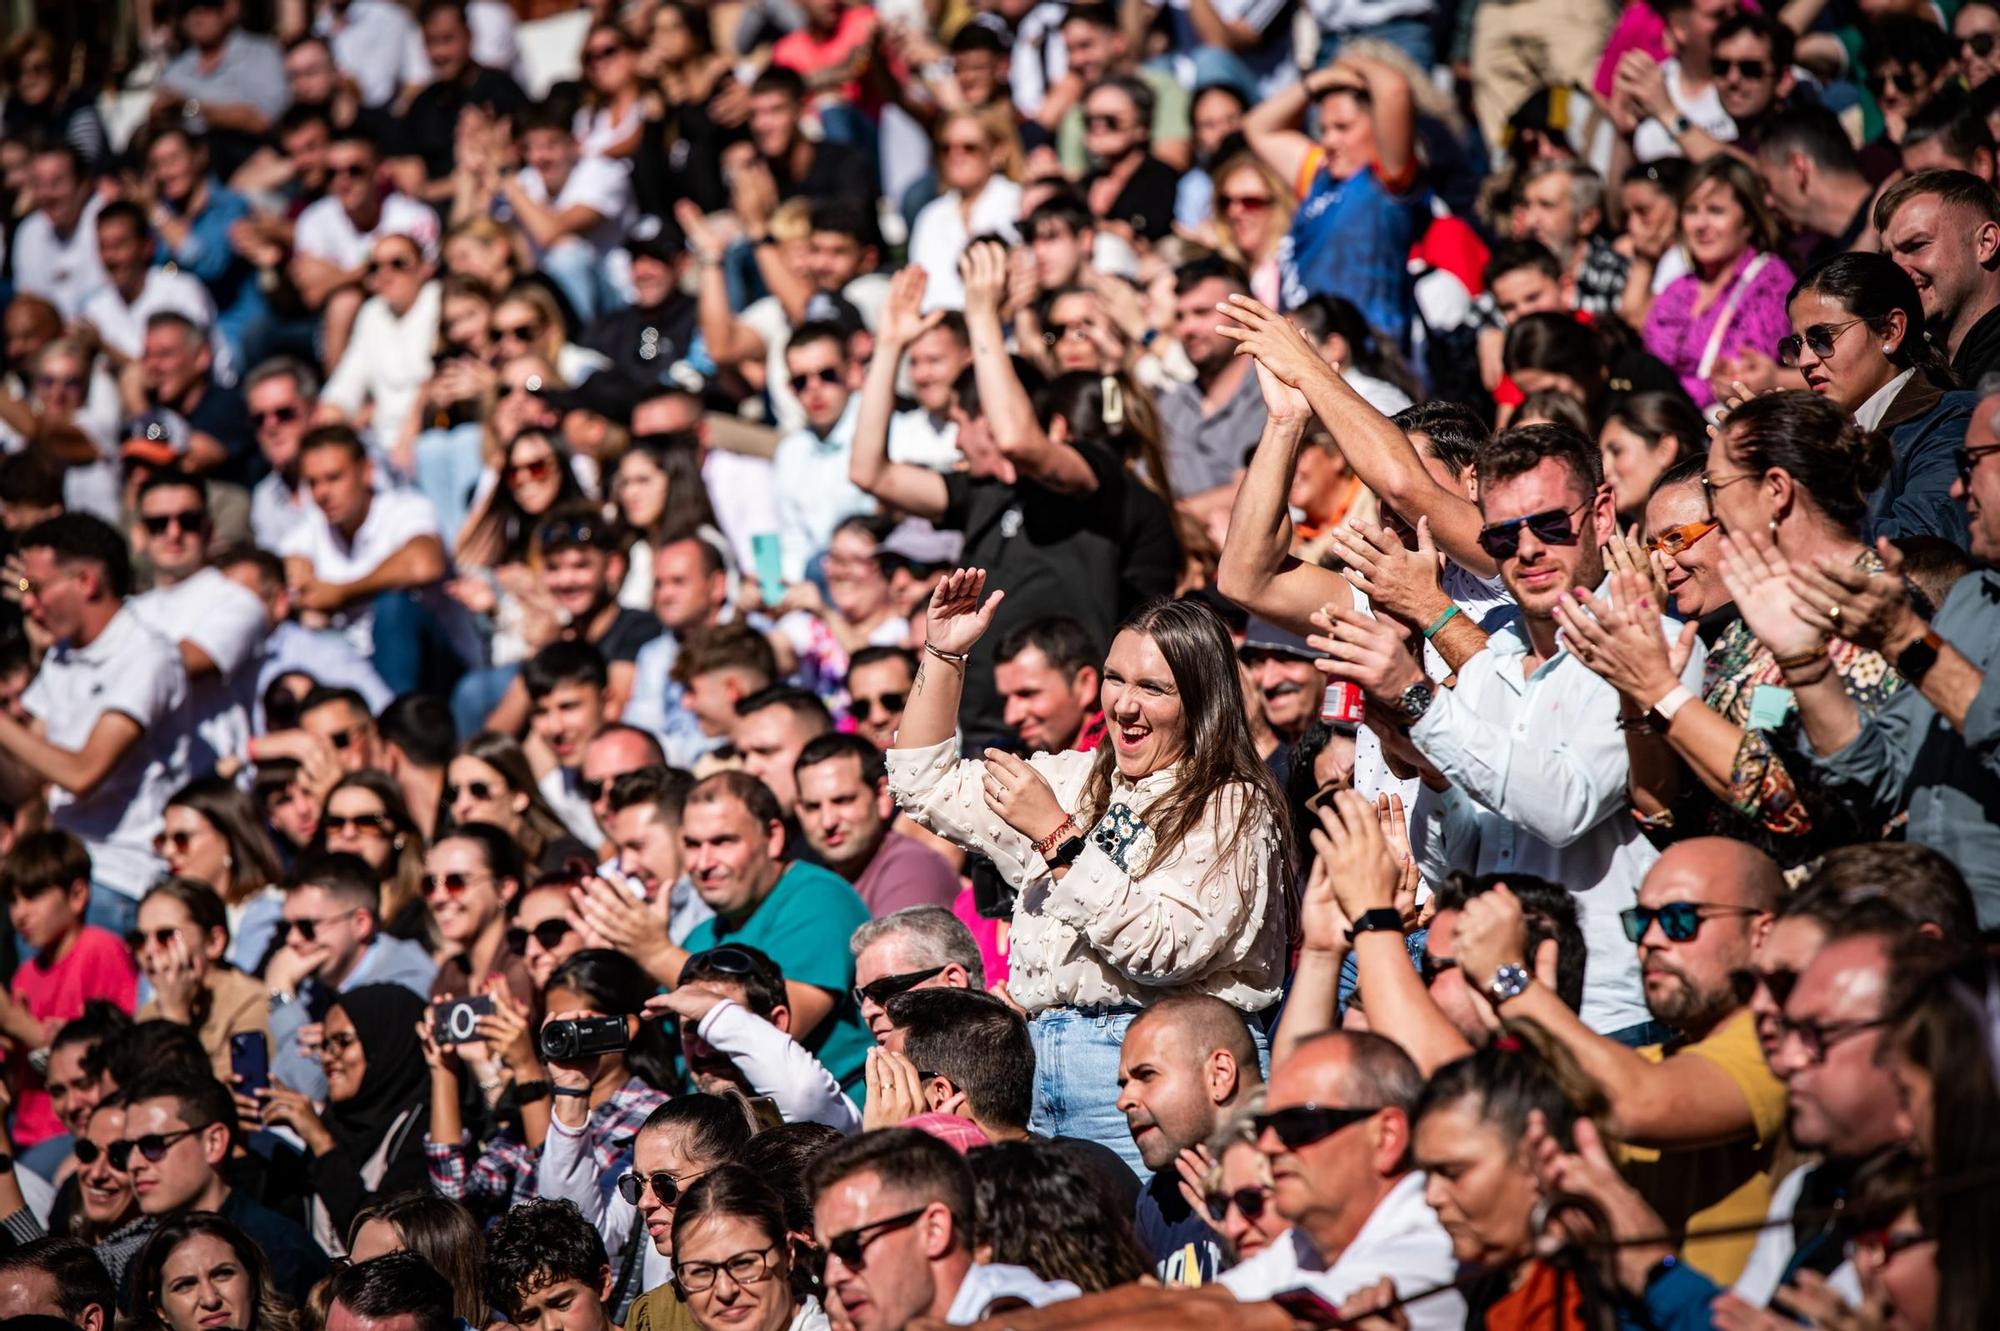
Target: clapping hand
(1260,331)
(1844,600)
(1365,873)
(1397,580)
(1283,402)
(1622,640)
(1626,553)
(1760,582)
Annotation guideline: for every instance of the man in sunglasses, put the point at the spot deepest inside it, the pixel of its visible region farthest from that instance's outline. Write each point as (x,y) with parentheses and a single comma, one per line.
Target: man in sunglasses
(615,750)
(1704,1113)
(1943,229)
(336,234)
(921,947)
(844,811)
(332,942)
(282,395)
(1751,58)
(878,683)
(1815,180)
(810,466)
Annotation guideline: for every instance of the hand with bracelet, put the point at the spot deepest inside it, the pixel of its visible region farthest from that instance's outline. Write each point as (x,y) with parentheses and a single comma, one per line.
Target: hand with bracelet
(1024,800)
(1621,639)
(1871,610)
(1759,579)
(1397,579)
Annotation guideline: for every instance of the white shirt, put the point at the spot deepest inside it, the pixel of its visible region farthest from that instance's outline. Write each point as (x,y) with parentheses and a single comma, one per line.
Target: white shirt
(61,270)
(1380,394)
(167,290)
(559,788)
(740,489)
(1543,760)
(388,361)
(1653,140)
(226,621)
(1776,1245)
(379,46)
(919,439)
(766,317)
(395,518)
(989,1282)
(778,1066)
(1401,1239)
(277,510)
(941,232)
(814,492)
(1870,413)
(596,183)
(325,231)
(598,132)
(131,669)
(495,40)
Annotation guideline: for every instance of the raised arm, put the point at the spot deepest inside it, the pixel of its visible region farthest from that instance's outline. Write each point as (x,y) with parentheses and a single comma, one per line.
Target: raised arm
(730,341)
(1016,430)
(1391,105)
(1271,128)
(954,622)
(917,490)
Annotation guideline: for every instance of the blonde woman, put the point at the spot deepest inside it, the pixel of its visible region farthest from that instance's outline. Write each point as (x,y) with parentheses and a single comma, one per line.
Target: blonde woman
(977,157)
(1253,209)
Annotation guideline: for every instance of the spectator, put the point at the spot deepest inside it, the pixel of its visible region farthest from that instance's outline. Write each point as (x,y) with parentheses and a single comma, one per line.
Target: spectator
(981,198)
(225,80)
(473,871)
(616,750)
(193,214)
(200,1268)
(41,99)
(383,368)
(107,1213)
(397,1288)
(878,684)
(573,208)
(1042,1209)
(1210,425)
(1046,673)
(184,936)
(546,1265)
(55,246)
(133,290)
(1955,284)
(211,834)
(690,594)
(436,1229)
(566,685)
(60,1278)
(858,610)
(717,668)
(773,727)
(646,815)
(1644,437)
(74,1086)
(458,81)
(844,810)
(335,241)
(917,947)
(812,463)
(1238,1187)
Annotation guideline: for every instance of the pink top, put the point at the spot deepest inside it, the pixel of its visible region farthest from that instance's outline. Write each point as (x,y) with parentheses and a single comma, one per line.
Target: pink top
(1678,333)
(986,933)
(1639,28)
(99,966)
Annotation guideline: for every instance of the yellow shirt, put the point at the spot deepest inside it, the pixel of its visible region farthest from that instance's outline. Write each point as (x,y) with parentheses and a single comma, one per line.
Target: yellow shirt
(1720,1183)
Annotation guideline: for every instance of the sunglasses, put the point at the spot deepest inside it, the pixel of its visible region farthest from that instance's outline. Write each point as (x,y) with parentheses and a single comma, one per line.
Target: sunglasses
(1302,1125)
(961,149)
(341,739)
(154,1146)
(191,521)
(729,959)
(849,1245)
(180,841)
(350,171)
(538,470)
(1430,967)
(862,709)
(571,533)
(549,933)
(1749,69)
(1968,458)
(1886,1244)
(1249,1201)
(830,375)
(373,823)
(1778,983)
(597,55)
(665,1186)
(1680,921)
(1818,339)
(518,332)
(452,883)
(276,416)
(1248,203)
(306,927)
(1980,44)
(1106,123)
(1676,539)
(87,1152)
(479,790)
(159,937)
(880,991)
(49,382)
(402,263)
(1551,526)
(1904,81)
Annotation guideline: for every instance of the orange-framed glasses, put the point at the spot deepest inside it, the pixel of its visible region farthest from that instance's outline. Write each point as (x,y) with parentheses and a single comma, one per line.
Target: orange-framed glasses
(1676,539)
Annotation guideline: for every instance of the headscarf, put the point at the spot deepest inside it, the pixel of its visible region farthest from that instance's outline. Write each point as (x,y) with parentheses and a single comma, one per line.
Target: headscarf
(385,1016)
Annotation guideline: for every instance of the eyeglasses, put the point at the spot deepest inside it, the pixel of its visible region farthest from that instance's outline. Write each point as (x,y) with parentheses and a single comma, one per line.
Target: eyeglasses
(1882,1244)
(339,1044)
(1710,482)
(880,991)
(372,823)
(1250,1201)
(961,149)
(1551,526)
(549,933)
(49,382)
(1104,123)
(479,790)
(829,375)
(1680,921)
(745,1268)
(538,470)
(276,416)
(632,1186)
(191,521)
(1676,539)
(1818,339)
(308,928)
(180,841)
(349,170)
(1247,203)
(1904,81)
(1055,333)
(863,709)
(154,1146)
(1430,967)
(1968,458)
(1302,1125)
(402,263)
(1749,69)
(849,1245)
(452,883)
(1778,983)
(1817,1038)
(1980,44)
(518,332)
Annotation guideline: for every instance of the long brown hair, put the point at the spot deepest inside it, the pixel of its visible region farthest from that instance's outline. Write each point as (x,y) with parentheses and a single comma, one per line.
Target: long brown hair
(1218,756)
(253,860)
(540,824)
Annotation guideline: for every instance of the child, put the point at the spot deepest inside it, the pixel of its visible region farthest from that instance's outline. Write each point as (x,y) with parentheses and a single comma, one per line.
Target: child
(566,684)
(546,1269)
(46,877)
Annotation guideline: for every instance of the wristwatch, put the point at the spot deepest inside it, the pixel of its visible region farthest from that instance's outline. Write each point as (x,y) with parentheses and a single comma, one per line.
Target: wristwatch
(1381,919)
(1916,660)
(1416,700)
(1065,852)
(1510,981)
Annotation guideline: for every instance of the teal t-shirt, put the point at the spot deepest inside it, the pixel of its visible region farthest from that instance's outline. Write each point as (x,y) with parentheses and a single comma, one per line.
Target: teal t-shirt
(804,926)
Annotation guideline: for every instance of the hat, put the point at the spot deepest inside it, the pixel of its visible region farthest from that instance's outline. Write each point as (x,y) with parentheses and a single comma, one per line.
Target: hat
(656,238)
(608,393)
(960,1134)
(915,541)
(1263,638)
(823,307)
(157,438)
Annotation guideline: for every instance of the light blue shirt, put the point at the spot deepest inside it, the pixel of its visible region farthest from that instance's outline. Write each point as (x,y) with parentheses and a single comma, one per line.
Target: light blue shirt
(386,960)
(328,657)
(814,493)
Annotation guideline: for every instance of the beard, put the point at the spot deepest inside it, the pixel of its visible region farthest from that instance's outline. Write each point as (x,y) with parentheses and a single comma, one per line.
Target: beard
(1685,1007)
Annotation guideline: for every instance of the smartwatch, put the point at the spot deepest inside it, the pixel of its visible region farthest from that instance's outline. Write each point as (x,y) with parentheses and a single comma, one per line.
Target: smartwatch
(1065,854)
(1381,919)
(1916,660)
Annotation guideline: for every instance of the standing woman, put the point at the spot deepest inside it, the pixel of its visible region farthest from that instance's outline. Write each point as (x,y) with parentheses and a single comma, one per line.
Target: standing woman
(1160,863)
(211,833)
(1858,336)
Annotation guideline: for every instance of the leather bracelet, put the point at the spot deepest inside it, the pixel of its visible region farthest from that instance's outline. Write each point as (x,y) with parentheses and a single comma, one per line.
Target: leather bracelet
(1818,653)
(954,658)
(570,1092)
(1053,839)
(1439,623)
(1805,683)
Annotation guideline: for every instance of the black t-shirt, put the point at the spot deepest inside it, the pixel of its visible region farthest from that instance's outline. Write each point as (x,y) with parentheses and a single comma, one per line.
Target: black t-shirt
(222,415)
(1093,557)
(644,342)
(629,631)
(680,157)
(1147,201)
(837,171)
(430,126)
(1176,1238)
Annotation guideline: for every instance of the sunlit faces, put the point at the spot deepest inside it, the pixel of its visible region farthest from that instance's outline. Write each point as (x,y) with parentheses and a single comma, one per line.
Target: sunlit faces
(1162,1092)
(358,823)
(205,1286)
(44,913)
(461,891)
(542,933)
(1346,134)
(73,1092)
(1694,573)
(186,1171)
(1046,710)
(821,377)
(1142,706)
(1631,464)
(893,1282)
(339,483)
(733,860)
(1716,225)
(1843,359)
(566,717)
(193,847)
(1540,573)
(339,931)
(740,1270)
(106,1192)
(343,1057)
(877,693)
(1520,292)
(889,955)
(1477,1182)
(478,793)
(663,1151)
(770,740)
(842,815)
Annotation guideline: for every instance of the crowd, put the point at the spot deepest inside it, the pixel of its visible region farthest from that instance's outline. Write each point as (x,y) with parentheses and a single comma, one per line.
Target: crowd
(821,666)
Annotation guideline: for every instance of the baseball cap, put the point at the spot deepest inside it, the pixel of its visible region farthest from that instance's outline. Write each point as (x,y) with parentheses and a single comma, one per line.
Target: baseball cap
(1263,638)
(157,438)
(656,238)
(608,393)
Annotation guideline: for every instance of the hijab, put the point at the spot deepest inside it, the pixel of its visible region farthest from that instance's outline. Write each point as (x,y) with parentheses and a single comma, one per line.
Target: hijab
(385,1016)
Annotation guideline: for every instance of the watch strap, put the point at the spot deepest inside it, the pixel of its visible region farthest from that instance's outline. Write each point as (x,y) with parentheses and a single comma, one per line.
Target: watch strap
(1915,661)
(1381,919)
(1662,712)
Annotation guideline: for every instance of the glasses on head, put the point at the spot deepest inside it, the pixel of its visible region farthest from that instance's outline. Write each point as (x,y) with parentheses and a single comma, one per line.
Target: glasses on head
(1778,983)
(1551,526)
(632,1186)
(452,883)
(728,958)
(849,1245)
(570,533)
(307,927)
(340,1043)
(1680,921)
(1676,539)
(828,375)
(1250,1201)
(191,521)
(516,332)
(549,933)
(863,709)
(1817,1038)
(48,383)
(479,790)
(538,470)
(880,991)
(1110,124)
(154,1146)
(1748,69)
(402,263)
(1904,81)
(1246,203)
(275,416)
(372,823)
(1980,44)
(1818,339)
(745,1268)
(350,170)
(1968,458)
(1302,1125)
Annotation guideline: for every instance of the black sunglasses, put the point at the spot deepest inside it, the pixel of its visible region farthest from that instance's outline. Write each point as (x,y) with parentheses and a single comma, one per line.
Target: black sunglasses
(154,1146)
(1302,1125)
(351,170)
(1250,1201)
(1818,339)
(192,521)
(402,263)
(1551,526)
(479,790)
(880,991)
(136,939)
(306,927)
(849,1245)
(1749,69)
(1680,921)
(358,822)
(1980,44)
(1968,458)
(864,708)
(549,933)
(1777,983)
(275,416)
(665,1186)
(87,1152)
(832,374)
(1906,82)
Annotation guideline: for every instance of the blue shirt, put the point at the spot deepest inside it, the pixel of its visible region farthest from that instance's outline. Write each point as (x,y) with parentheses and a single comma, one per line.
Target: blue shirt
(1352,238)
(230,278)
(804,925)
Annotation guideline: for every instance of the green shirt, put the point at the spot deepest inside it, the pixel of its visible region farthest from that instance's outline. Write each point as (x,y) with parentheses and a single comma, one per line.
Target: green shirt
(804,926)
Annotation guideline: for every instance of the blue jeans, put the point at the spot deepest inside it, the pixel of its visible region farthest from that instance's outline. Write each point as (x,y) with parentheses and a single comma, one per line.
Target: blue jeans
(111,909)
(1076,1077)
(1643,1034)
(1410,35)
(579,271)
(476,695)
(448,466)
(413,653)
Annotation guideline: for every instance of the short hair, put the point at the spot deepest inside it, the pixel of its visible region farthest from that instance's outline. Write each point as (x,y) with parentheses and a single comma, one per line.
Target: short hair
(147,1049)
(1812,131)
(804,705)
(302,375)
(537,1244)
(270,568)
(745,789)
(341,437)
(976,37)
(1886,886)
(101,1020)
(1586,187)
(1453,432)
(1513,255)
(664,788)
(174,480)
(731,646)
(198,1097)
(396,1284)
(1949,118)
(938,937)
(1759,25)
(31,477)
(124,210)
(1209,266)
(42,859)
(869,656)
(192,333)
(907,1161)
(1934,564)
(1550,914)
(744,967)
(1520,450)
(81,538)
(1064,642)
(550,115)
(420,725)
(565,661)
(975,1042)
(778,78)
(843,216)
(331,695)
(343,876)
(1095,13)
(72,1266)
(1954,189)
(300,114)
(818,330)
(709,1129)
(1064,208)
(845,744)
(1208,1024)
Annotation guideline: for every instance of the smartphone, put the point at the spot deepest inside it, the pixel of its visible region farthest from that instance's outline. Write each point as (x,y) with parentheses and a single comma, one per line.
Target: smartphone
(250,1060)
(770,567)
(1307,1307)
(456,1020)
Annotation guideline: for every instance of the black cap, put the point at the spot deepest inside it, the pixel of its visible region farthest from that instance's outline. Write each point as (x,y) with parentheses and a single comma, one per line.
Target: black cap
(608,393)
(1263,638)
(823,307)
(656,238)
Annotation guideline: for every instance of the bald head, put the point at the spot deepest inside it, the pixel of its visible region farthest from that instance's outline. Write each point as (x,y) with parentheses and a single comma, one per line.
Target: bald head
(1346,1068)
(1186,1063)
(1723,870)
(1199,1025)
